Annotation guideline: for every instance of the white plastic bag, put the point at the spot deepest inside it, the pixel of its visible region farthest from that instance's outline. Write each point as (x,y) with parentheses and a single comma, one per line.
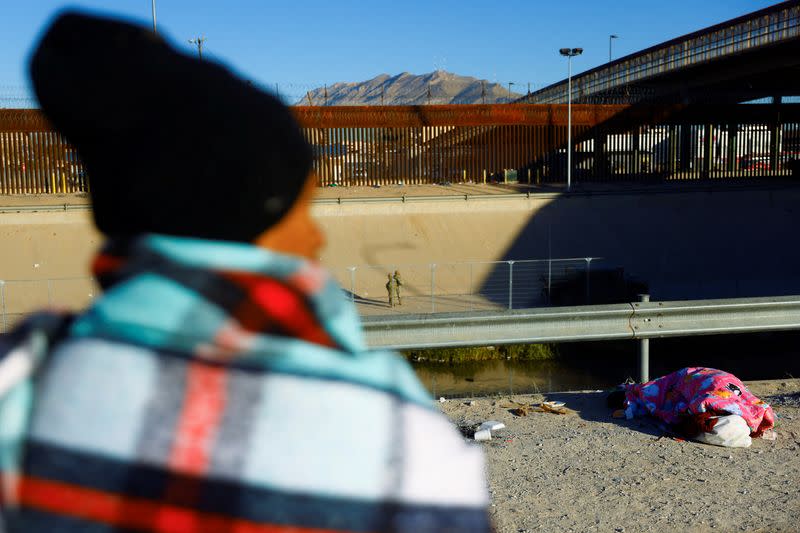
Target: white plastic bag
(730,431)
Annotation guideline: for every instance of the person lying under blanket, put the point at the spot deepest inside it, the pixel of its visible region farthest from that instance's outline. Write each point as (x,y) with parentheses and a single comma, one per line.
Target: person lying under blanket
(703,404)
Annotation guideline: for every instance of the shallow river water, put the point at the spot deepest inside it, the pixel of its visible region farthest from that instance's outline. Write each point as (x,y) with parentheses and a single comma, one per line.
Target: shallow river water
(749,357)
(492,377)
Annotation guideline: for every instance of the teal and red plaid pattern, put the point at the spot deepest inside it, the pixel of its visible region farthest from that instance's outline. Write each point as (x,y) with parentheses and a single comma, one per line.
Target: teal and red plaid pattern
(218,387)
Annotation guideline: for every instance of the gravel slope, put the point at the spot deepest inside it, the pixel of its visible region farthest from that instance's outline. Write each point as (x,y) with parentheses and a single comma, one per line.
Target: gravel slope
(586,471)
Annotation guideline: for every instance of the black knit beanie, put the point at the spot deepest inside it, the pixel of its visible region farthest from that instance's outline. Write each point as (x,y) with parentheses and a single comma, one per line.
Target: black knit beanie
(171,144)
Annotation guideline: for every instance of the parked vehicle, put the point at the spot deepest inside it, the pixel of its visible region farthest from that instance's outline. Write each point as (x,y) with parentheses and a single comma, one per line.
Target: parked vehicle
(755,162)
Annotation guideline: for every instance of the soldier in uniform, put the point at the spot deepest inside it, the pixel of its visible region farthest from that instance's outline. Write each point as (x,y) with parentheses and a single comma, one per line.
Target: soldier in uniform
(391,288)
(398,282)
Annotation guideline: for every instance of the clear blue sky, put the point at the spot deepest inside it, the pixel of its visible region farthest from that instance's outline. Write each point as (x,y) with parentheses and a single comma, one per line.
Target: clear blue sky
(303,44)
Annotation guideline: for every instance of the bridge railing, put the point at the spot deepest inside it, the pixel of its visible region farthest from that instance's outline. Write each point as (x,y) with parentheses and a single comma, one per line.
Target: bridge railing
(763,28)
(362,146)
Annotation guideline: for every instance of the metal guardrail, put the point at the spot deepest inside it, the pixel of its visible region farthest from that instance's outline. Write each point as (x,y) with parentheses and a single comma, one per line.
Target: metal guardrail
(589,190)
(636,321)
(43,208)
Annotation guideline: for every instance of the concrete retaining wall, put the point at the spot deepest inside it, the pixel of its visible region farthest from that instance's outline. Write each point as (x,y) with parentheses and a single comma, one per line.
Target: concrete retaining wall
(683,245)
(719,243)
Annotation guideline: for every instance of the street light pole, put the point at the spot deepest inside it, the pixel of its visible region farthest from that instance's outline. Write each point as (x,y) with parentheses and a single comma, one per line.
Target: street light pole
(569,122)
(569,53)
(509,90)
(610,39)
(154,16)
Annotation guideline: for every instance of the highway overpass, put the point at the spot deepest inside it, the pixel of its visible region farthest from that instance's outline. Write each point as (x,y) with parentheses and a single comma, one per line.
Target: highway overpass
(750,57)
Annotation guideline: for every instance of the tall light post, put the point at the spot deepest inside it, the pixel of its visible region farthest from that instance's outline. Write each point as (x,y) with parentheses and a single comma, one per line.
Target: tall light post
(154,16)
(509,90)
(610,40)
(569,53)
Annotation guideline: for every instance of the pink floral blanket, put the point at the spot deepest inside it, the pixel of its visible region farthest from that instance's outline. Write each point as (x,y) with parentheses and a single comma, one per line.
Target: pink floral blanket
(697,390)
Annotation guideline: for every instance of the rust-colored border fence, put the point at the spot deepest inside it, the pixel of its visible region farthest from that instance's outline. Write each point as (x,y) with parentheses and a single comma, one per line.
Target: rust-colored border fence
(370,146)
(35,159)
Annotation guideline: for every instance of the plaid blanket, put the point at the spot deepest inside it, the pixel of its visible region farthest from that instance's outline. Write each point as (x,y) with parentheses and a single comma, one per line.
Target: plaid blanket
(220,387)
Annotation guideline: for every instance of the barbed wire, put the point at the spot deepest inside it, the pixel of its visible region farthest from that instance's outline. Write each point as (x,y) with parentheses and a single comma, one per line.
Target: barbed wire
(20,97)
(353,93)
(16,97)
(12,96)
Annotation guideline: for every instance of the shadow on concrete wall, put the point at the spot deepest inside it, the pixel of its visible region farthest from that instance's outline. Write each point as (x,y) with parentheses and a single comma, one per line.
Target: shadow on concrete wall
(693,243)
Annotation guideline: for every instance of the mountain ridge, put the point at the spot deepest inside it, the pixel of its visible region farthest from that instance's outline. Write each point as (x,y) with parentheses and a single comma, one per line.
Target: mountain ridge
(437,87)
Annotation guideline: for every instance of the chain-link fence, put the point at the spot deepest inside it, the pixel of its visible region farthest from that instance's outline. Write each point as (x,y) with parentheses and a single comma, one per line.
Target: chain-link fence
(467,286)
(20,297)
(426,287)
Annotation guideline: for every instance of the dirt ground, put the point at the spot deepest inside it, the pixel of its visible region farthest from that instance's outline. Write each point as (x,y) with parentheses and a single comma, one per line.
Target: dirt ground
(586,471)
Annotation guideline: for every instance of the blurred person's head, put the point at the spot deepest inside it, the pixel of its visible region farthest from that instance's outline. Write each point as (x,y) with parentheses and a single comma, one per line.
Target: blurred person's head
(173,144)
(296,232)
